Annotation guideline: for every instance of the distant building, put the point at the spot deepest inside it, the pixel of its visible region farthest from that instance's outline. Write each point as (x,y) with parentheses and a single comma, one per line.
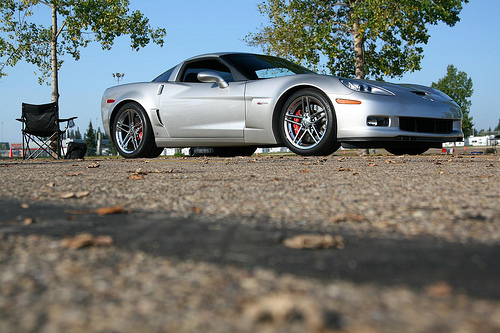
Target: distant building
(477,141)
(453,144)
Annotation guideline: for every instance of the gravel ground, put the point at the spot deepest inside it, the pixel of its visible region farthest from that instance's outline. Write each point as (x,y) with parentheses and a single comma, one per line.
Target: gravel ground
(455,198)
(46,287)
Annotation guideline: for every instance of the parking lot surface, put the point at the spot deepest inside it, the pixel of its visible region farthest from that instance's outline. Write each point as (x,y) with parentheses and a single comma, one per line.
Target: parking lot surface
(395,244)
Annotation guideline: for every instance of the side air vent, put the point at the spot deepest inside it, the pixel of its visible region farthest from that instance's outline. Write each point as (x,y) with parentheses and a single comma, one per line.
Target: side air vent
(158,116)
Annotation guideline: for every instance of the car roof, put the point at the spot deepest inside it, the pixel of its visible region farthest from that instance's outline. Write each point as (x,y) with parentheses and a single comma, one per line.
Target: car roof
(216,55)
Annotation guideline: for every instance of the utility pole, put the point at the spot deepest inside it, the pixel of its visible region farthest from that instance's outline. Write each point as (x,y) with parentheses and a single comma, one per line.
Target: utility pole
(118,77)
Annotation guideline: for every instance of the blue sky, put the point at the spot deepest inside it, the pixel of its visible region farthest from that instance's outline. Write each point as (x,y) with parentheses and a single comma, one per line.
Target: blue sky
(200,26)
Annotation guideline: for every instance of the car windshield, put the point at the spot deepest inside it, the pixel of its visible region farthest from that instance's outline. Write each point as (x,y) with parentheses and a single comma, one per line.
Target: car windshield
(255,66)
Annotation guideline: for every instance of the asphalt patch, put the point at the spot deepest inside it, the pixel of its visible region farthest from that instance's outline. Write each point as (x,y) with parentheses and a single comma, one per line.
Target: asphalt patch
(469,268)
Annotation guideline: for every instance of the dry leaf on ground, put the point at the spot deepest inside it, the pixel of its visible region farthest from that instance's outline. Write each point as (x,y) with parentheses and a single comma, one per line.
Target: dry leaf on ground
(79,195)
(140,171)
(93,165)
(138,174)
(84,240)
(74,174)
(111,210)
(28,221)
(82,194)
(196,209)
(439,289)
(314,241)
(281,309)
(348,217)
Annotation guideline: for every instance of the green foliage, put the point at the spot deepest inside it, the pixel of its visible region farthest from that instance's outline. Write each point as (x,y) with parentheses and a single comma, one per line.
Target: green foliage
(90,140)
(458,86)
(81,22)
(372,38)
(490,151)
(78,135)
(498,126)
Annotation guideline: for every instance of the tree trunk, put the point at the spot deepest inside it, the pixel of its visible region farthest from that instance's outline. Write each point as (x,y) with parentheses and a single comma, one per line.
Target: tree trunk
(53,56)
(359,52)
(359,56)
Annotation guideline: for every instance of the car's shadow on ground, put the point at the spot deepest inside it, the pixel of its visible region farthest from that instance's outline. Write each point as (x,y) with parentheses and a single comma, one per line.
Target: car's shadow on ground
(416,263)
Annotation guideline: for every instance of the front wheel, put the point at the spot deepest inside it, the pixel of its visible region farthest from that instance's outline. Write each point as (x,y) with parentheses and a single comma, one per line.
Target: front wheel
(308,124)
(132,133)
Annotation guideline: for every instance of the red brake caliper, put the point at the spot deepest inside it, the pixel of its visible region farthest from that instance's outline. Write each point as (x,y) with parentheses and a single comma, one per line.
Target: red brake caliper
(296,127)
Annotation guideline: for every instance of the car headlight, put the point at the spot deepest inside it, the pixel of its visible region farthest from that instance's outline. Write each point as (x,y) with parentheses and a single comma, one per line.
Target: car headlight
(365,87)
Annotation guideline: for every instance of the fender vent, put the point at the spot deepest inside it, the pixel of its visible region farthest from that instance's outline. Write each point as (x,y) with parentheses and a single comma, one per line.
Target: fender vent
(158,116)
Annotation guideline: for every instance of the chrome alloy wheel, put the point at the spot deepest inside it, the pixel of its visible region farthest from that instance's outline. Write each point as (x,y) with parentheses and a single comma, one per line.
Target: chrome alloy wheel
(129,130)
(305,122)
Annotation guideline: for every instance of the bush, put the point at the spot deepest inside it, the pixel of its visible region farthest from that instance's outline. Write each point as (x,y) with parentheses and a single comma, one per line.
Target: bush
(490,151)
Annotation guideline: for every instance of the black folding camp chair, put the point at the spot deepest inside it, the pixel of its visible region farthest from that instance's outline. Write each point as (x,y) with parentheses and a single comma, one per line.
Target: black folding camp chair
(41,131)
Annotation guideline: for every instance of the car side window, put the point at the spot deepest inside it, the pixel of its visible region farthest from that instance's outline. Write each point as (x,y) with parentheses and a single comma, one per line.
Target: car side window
(191,70)
(165,76)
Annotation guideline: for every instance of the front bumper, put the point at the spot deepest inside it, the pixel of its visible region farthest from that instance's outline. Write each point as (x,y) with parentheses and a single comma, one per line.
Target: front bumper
(406,119)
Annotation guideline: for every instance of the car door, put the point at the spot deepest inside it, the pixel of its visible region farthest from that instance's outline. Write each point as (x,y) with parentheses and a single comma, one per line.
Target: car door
(193,109)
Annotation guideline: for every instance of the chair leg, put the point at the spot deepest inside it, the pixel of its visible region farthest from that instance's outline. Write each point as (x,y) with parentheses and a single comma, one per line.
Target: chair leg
(51,146)
(59,146)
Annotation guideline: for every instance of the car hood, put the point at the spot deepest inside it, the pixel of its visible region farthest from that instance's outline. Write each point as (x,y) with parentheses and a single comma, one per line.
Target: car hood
(415,89)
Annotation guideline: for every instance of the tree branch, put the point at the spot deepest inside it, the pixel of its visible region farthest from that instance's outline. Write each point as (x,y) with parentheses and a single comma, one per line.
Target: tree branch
(342,24)
(60,29)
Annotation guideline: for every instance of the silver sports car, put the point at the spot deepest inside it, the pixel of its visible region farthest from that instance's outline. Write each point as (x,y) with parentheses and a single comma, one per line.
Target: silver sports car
(236,102)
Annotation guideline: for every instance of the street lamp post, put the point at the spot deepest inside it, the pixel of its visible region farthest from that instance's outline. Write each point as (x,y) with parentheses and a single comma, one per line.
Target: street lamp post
(118,77)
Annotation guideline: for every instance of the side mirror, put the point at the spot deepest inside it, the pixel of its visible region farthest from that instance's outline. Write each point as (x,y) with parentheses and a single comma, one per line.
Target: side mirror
(212,77)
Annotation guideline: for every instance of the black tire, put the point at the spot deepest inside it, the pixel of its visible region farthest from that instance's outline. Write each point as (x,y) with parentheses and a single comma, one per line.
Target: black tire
(132,133)
(308,125)
(407,151)
(234,151)
(332,149)
(154,152)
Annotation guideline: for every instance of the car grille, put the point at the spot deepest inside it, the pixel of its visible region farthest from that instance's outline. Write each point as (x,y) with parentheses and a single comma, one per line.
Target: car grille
(426,125)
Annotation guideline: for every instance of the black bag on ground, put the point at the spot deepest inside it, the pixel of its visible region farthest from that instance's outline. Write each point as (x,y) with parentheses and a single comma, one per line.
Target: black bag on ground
(76,150)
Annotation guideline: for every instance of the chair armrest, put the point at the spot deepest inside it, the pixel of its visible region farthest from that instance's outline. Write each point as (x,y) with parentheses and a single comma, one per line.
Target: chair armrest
(68,119)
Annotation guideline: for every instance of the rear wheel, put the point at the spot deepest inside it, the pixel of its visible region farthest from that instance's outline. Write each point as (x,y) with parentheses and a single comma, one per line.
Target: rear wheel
(308,124)
(407,151)
(132,133)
